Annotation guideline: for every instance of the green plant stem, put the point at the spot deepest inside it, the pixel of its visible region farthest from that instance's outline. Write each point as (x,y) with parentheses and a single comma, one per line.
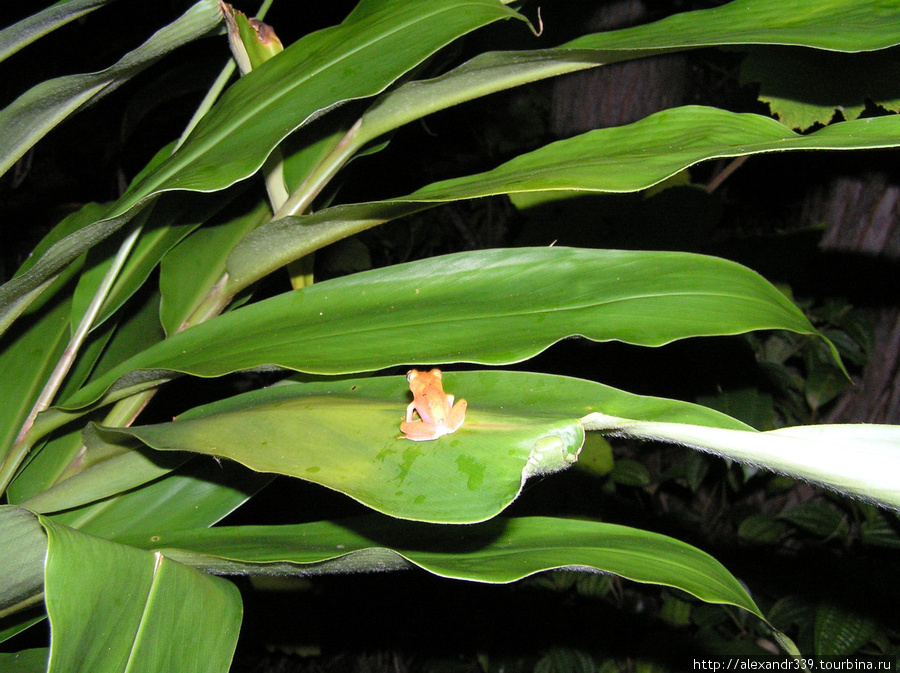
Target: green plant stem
(125,411)
(218,85)
(263,9)
(23,443)
(208,100)
(22,605)
(222,293)
(321,175)
(273,170)
(214,303)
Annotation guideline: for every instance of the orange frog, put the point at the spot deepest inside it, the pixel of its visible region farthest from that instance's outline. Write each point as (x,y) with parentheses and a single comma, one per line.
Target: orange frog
(439,416)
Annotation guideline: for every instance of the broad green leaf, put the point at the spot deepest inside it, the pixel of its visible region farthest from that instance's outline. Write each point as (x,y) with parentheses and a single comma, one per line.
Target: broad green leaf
(359,58)
(116,608)
(200,257)
(26,661)
(52,256)
(344,435)
(79,230)
(46,463)
(197,495)
(60,455)
(805,88)
(840,25)
(138,329)
(497,551)
(621,159)
(639,155)
(93,349)
(558,397)
(107,477)
(26,31)
(819,519)
(13,306)
(167,222)
(518,303)
(469,476)
(754,24)
(364,56)
(24,547)
(836,25)
(34,113)
(28,356)
(22,580)
(859,460)
(26,361)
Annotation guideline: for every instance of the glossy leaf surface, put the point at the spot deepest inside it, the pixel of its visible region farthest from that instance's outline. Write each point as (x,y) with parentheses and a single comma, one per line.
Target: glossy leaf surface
(760,23)
(497,551)
(29,353)
(839,25)
(200,257)
(25,546)
(375,46)
(110,477)
(155,614)
(439,310)
(25,364)
(197,495)
(167,223)
(621,159)
(345,435)
(632,157)
(26,661)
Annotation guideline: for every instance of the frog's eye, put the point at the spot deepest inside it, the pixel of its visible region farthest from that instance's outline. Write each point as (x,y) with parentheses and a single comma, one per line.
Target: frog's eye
(411,374)
(436,373)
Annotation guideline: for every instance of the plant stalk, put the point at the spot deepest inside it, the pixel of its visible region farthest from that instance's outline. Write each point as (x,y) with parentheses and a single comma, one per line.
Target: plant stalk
(126,410)
(321,175)
(22,445)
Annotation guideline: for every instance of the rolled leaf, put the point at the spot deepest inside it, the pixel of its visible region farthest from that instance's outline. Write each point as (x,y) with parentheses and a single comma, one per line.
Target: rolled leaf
(859,460)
